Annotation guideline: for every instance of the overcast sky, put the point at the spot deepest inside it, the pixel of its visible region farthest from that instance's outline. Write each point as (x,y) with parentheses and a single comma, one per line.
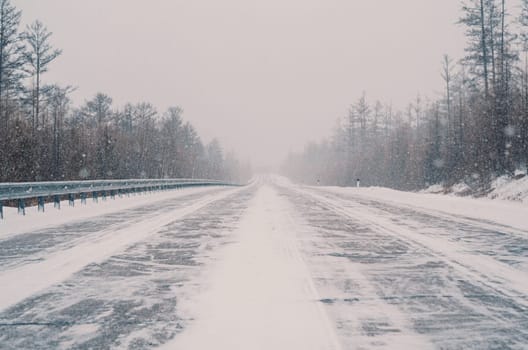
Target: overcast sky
(265,76)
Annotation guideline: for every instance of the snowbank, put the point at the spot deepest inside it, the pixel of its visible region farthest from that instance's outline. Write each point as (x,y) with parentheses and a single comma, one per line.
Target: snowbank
(508,188)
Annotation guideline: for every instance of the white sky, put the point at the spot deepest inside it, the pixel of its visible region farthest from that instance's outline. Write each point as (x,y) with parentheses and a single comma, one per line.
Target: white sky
(263,76)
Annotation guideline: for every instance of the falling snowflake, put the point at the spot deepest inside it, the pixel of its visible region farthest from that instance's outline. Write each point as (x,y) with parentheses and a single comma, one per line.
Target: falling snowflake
(84,173)
(438,163)
(509,131)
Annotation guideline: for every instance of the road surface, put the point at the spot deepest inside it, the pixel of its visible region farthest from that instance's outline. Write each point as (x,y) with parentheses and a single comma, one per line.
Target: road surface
(268,266)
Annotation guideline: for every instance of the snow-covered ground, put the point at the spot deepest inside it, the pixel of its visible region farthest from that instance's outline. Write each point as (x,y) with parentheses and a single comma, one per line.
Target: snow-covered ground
(507,188)
(269,266)
(513,189)
(260,295)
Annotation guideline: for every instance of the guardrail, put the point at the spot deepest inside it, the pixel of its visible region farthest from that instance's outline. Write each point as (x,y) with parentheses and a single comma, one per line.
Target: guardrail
(55,190)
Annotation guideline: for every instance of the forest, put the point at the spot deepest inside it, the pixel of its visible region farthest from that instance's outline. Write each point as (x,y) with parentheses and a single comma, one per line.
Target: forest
(476,131)
(43,136)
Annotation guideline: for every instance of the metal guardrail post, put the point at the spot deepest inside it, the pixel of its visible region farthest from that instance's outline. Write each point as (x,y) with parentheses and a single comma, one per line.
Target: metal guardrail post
(71,199)
(94,197)
(1,210)
(83,198)
(22,207)
(56,201)
(40,205)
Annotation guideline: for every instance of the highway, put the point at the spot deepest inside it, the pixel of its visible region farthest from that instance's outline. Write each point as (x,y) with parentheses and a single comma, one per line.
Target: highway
(271,265)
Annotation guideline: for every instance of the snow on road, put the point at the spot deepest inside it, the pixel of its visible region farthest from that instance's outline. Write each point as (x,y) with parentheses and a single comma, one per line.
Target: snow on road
(497,212)
(23,281)
(508,279)
(261,295)
(271,266)
(14,224)
(457,282)
(131,298)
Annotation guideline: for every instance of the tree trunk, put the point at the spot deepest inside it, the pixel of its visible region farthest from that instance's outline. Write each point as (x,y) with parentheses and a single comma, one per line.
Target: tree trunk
(484,48)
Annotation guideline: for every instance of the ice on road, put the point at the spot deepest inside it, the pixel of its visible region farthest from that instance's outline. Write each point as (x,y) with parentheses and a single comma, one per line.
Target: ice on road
(272,265)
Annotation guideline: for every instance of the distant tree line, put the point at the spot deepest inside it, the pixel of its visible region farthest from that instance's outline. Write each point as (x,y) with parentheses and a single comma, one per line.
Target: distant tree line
(43,137)
(477,130)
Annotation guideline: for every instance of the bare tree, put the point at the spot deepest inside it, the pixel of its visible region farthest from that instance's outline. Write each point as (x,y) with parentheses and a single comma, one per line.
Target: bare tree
(475,19)
(38,56)
(447,72)
(59,103)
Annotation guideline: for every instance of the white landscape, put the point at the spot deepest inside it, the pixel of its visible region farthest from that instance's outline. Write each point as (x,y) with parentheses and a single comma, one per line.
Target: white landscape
(264,175)
(272,265)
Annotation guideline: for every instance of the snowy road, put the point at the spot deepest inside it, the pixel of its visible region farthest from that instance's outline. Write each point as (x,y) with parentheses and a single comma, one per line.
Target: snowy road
(269,266)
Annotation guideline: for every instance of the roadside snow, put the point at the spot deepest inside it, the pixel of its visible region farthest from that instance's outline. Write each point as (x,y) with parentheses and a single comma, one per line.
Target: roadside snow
(13,223)
(506,188)
(506,213)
